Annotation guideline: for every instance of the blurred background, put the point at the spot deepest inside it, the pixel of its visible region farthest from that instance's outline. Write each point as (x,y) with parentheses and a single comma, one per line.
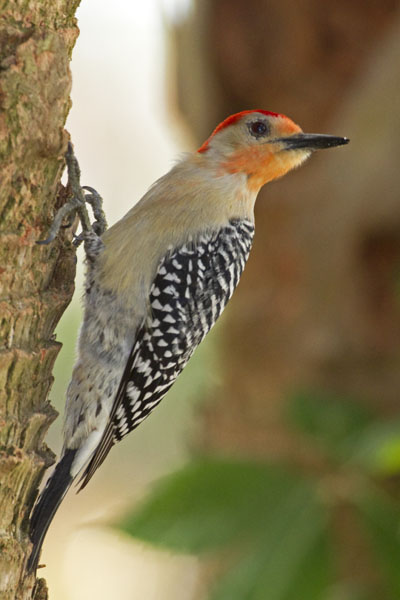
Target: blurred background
(294,396)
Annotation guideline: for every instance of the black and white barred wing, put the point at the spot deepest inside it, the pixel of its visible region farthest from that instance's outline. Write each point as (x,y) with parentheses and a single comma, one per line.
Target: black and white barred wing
(192,287)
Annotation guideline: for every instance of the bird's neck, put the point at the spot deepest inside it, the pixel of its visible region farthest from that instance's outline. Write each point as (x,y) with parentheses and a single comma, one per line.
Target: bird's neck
(224,191)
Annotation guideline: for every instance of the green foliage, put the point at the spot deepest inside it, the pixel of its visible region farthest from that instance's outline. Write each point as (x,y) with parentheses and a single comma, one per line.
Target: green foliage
(274,513)
(382,521)
(272,523)
(292,545)
(211,503)
(332,421)
(347,431)
(377,448)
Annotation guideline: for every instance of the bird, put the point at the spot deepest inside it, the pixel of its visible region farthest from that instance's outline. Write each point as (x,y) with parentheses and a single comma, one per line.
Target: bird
(156,283)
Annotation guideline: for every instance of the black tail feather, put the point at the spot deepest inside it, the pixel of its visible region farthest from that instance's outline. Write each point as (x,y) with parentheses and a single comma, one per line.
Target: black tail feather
(47,504)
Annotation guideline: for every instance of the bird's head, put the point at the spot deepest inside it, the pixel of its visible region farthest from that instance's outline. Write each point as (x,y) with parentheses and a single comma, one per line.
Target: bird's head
(263,145)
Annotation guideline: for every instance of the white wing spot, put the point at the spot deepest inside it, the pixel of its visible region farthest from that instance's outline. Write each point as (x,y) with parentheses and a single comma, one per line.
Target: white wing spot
(171,290)
(157,305)
(172,330)
(168,319)
(132,393)
(148,381)
(172,277)
(176,264)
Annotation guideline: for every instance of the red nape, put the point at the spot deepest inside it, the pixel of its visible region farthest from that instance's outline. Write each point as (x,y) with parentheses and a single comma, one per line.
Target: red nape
(233,119)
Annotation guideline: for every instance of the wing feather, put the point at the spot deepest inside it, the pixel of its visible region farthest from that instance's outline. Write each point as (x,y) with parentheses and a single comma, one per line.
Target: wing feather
(191,288)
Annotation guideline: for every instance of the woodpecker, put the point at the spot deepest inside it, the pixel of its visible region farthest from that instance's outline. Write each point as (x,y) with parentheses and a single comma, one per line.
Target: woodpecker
(156,283)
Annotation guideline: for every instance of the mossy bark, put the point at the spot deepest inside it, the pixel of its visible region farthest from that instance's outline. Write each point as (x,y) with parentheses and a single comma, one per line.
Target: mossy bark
(36,282)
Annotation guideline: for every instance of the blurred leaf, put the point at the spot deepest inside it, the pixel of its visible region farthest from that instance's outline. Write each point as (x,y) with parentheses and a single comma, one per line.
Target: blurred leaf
(378,448)
(347,430)
(382,519)
(334,421)
(291,562)
(210,503)
(351,591)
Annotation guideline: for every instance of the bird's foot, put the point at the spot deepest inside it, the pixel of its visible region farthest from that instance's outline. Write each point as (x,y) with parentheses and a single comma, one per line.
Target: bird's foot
(76,205)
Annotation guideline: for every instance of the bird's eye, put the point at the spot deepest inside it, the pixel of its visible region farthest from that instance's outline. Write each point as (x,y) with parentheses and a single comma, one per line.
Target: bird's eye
(258,128)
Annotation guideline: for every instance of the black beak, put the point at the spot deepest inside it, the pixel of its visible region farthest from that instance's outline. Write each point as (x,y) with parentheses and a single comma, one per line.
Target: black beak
(312,141)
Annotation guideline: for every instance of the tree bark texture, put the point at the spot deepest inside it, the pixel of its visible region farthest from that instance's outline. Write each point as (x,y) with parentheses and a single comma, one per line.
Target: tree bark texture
(36,282)
(317,306)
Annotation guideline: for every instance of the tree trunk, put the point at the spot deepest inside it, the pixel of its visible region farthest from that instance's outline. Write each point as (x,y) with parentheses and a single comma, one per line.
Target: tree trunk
(36,282)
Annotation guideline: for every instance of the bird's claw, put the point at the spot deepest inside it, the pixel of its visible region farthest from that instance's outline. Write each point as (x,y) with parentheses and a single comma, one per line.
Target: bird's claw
(77,205)
(78,239)
(96,202)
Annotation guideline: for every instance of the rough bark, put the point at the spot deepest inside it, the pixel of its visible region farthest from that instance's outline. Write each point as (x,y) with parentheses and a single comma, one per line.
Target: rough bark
(36,282)
(317,304)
